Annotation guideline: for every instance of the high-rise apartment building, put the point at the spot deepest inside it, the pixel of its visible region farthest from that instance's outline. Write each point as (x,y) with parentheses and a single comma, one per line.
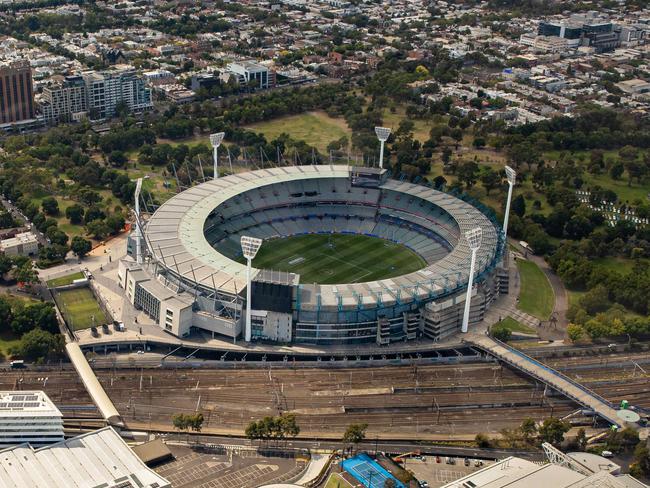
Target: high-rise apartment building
(16,92)
(65,100)
(105,90)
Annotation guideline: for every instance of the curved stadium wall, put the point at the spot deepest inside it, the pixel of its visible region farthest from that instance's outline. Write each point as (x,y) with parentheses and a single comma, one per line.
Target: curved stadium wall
(193,249)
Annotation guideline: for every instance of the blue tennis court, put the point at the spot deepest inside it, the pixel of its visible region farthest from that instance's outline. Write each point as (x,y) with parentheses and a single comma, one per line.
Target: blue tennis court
(368,472)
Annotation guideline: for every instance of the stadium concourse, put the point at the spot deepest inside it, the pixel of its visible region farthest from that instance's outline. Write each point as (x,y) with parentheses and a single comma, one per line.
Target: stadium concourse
(189,275)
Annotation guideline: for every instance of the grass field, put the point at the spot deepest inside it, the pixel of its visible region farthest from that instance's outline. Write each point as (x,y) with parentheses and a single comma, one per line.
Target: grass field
(79,306)
(515,326)
(65,280)
(337,258)
(335,481)
(536,296)
(315,128)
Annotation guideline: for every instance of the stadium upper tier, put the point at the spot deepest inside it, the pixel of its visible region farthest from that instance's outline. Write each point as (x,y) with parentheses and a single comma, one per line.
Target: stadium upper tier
(195,235)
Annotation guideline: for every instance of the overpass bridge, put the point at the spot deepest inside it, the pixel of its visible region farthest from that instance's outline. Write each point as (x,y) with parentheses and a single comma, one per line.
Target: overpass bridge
(554,379)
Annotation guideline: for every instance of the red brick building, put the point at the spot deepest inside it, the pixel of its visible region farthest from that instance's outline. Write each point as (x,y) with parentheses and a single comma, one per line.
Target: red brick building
(16,92)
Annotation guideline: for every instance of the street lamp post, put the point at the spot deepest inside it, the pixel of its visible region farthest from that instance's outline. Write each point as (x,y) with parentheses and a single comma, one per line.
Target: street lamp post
(382,135)
(512,178)
(215,140)
(249,247)
(473,237)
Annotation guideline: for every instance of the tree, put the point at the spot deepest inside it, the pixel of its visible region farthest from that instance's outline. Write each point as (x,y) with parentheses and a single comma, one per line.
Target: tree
(98,229)
(118,158)
(490,179)
(482,440)
(38,345)
(6,264)
(80,246)
(288,425)
(553,430)
(355,433)
(75,213)
(528,429)
(641,464)
(616,171)
(26,274)
(500,332)
(518,205)
(467,173)
(575,332)
(50,206)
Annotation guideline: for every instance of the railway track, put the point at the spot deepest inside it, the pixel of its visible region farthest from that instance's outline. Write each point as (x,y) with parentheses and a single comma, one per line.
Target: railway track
(413,400)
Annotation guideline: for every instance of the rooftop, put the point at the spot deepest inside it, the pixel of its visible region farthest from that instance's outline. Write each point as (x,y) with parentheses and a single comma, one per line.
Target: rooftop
(27,404)
(97,459)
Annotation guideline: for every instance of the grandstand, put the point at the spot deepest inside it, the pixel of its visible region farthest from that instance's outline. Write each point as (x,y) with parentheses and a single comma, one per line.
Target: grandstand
(192,278)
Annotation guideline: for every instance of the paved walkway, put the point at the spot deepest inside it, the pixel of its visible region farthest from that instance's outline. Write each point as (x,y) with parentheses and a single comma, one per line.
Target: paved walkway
(548,376)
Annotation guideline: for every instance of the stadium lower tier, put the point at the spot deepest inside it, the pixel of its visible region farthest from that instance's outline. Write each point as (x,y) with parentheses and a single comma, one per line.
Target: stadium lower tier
(191,277)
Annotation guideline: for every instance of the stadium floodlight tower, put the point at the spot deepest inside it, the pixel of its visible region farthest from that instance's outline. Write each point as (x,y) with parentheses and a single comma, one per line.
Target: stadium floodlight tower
(249,247)
(215,140)
(473,237)
(382,135)
(511,174)
(138,230)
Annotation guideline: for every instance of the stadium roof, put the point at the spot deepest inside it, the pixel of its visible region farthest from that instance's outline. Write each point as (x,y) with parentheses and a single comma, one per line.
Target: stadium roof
(174,235)
(97,459)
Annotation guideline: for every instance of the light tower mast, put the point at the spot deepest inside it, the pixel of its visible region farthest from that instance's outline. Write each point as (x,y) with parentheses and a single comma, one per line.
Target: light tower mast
(382,134)
(512,178)
(473,237)
(215,140)
(249,247)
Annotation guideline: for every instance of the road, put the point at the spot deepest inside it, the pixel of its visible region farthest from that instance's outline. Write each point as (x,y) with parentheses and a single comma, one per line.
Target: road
(18,215)
(370,446)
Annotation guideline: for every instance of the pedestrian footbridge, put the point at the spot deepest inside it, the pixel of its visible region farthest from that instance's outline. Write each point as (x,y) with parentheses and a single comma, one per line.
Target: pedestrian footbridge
(554,379)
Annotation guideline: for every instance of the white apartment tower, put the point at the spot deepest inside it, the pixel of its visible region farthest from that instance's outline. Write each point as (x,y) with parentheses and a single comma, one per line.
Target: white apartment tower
(106,89)
(29,416)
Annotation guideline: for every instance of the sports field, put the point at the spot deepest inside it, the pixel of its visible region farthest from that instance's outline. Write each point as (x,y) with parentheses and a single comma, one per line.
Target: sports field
(79,306)
(337,258)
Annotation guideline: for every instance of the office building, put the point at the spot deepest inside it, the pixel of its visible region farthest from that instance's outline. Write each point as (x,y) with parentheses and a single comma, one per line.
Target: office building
(97,459)
(16,92)
(29,416)
(23,244)
(106,90)
(250,72)
(64,100)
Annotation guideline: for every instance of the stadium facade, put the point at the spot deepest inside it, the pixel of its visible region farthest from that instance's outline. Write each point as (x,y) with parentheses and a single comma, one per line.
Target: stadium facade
(190,279)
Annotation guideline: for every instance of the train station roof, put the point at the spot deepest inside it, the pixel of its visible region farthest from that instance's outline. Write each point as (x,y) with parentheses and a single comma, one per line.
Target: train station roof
(99,459)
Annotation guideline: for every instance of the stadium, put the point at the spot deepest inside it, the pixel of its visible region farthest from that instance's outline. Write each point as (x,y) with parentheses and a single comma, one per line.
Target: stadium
(348,255)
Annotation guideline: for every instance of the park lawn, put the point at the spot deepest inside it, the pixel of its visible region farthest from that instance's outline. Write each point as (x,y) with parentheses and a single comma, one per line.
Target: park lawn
(421,128)
(78,307)
(315,128)
(620,187)
(514,326)
(336,481)
(65,280)
(8,341)
(337,258)
(536,296)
